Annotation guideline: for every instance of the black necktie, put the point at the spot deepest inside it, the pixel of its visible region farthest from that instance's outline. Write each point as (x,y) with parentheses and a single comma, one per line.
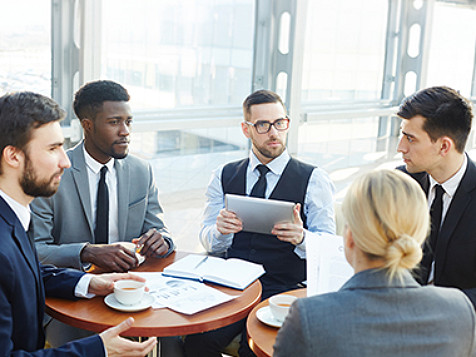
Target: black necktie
(435,214)
(259,188)
(101,233)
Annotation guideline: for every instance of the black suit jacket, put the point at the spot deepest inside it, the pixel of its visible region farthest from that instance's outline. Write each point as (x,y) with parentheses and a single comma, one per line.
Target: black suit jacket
(455,254)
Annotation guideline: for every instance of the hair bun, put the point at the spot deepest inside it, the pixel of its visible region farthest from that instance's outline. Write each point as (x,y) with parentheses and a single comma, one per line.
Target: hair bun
(403,252)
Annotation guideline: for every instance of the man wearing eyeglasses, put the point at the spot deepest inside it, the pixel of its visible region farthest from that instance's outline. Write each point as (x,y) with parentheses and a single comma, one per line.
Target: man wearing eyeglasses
(268,172)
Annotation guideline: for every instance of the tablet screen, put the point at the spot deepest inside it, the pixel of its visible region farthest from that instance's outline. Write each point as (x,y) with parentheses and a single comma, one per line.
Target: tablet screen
(259,215)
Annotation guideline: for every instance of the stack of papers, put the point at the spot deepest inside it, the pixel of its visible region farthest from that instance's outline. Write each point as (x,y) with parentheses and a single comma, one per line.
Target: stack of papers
(184,296)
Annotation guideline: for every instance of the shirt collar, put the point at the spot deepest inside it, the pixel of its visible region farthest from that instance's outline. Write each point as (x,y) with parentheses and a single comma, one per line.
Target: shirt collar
(451,185)
(22,212)
(277,165)
(94,165)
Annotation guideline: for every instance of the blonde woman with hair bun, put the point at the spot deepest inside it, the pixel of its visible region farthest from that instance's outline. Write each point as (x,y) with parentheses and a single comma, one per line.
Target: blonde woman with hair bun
(387,216)
(382,310)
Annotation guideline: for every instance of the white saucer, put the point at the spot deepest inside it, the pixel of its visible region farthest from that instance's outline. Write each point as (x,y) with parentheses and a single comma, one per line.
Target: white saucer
(265,316)
(145,303)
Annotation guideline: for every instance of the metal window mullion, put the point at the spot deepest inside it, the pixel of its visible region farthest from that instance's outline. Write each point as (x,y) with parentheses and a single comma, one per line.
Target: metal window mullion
(90,51)
(391,69)
(64,55)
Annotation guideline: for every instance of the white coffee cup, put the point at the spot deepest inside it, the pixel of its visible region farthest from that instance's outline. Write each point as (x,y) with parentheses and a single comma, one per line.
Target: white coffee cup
(280,304)
(129,292)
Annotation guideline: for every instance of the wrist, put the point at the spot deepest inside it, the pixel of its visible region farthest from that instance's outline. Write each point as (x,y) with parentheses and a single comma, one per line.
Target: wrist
(303,237)
(85,254)
(171,246)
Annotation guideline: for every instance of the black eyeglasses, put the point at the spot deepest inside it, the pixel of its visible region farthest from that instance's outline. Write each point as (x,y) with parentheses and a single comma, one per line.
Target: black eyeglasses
(264,126)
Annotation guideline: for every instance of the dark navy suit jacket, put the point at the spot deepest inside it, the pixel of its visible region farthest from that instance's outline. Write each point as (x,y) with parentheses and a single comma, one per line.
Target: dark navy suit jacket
(23,283)
(455,255)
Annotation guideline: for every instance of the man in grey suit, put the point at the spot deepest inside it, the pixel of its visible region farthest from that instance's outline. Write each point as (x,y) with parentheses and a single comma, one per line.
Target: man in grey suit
(64,226)
(71,228)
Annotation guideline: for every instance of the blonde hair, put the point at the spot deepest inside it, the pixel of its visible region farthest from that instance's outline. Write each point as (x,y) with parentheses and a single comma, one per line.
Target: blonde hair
(387,213)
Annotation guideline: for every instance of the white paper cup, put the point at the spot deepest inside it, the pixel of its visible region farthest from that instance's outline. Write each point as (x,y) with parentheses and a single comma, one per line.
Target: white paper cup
(280,304)
(129,292)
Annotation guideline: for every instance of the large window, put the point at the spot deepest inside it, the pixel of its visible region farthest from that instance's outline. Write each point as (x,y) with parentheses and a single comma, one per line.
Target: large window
(344,50)
(179,53)
(25,46)
(344,55)
(451,58)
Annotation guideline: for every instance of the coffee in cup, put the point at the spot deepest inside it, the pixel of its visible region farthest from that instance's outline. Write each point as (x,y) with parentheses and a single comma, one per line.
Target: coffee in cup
(280,304)
(129,292)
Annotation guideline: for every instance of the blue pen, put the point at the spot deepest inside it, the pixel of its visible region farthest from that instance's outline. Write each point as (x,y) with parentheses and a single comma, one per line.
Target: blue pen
(201,262)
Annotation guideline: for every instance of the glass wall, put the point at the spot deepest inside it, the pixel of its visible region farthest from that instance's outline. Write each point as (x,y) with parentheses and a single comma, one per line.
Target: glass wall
(179,53)
(452,49)
(188,65)
(182,55)
(344,50)
(25,46)
(344,57)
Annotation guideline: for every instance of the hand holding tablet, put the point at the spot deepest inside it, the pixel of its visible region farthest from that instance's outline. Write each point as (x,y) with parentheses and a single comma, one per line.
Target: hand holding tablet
(259,215)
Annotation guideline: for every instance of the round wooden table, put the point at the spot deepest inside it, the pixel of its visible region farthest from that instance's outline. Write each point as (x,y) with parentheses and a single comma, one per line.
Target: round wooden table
(261,337)
(95,315)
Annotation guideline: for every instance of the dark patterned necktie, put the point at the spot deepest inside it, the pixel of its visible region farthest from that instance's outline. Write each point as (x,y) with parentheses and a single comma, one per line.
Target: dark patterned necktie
(436,211)
(101,232)
(259,189)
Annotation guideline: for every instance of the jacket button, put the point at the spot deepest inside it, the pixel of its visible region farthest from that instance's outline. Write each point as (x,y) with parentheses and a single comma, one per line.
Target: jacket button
(253,251)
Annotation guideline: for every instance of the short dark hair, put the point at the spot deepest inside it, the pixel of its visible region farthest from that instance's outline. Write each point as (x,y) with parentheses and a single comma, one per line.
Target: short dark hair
(22,112)
(445,110)
(261,96)
(88,100)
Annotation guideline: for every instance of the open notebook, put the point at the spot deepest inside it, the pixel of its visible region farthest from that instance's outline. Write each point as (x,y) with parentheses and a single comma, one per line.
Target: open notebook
(233,273)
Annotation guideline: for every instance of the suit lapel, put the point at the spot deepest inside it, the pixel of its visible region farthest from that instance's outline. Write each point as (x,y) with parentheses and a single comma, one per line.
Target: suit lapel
(26,247)
(123,182)
(81,181)
(424,182)
(21,239)
(456,209)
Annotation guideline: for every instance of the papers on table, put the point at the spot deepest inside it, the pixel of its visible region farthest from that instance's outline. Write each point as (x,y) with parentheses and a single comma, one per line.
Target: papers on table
(181,295)
(327,268)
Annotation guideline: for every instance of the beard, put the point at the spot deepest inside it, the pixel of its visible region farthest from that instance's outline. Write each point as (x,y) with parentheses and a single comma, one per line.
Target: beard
(33,186)
(118,155)
(113,151)
(270,154)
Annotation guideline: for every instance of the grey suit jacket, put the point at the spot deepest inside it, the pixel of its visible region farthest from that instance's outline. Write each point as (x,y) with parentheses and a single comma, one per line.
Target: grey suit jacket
(62,224)
(370,317)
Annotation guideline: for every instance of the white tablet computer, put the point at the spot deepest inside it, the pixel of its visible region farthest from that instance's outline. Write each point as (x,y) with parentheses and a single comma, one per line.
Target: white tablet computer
(259,215)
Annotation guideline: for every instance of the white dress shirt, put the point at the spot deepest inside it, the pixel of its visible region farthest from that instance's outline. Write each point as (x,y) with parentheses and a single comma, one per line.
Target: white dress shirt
(450,186)
(24,215)
(94,175)
(318,203)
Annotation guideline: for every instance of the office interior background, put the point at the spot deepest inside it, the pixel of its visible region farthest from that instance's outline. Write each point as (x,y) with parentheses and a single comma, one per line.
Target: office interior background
(342,67)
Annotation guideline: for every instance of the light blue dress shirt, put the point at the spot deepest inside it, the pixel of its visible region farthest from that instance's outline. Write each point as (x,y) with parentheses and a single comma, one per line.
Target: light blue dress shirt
(318,203)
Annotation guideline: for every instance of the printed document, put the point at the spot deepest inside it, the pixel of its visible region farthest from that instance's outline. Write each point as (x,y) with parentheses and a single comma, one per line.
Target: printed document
(327,268)
(184,296)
